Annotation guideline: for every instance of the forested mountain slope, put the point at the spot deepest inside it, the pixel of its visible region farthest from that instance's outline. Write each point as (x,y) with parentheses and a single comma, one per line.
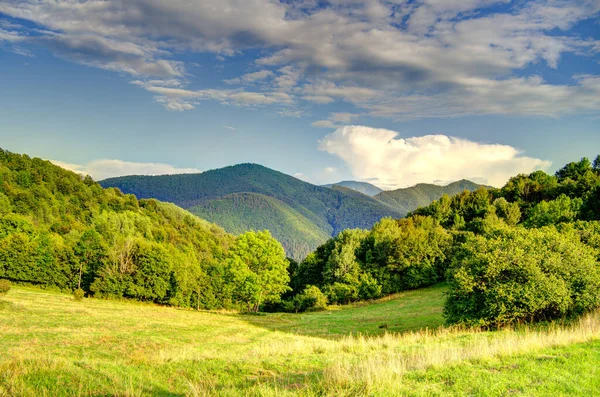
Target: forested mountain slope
(293,203)
(409,199)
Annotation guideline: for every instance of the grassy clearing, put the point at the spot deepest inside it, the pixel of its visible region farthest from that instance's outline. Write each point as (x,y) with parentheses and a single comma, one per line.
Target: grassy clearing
(54,346)
(407,311)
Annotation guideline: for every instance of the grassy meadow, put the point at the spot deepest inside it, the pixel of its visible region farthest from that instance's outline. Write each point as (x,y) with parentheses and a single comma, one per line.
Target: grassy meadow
(51,345)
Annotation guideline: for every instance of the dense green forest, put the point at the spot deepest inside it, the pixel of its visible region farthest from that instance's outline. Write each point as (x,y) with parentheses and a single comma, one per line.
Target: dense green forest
(300,215)
(60,230)
(529,251)
(328,211)
(422,194)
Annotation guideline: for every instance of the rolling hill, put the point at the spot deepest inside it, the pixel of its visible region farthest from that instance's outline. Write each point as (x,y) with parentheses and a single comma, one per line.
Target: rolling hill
(300,215)
(362,187)
(409,199)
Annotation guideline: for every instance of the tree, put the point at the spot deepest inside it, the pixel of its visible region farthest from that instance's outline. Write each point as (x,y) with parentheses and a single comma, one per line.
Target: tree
(563,209)
(258,268)
(574,170)
(521,275)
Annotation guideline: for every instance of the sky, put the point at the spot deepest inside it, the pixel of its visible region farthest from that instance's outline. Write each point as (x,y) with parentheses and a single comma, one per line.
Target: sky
(392,92)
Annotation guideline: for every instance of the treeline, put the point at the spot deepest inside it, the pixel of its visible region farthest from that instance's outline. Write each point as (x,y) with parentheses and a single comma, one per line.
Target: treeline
(526,252)
(60,230)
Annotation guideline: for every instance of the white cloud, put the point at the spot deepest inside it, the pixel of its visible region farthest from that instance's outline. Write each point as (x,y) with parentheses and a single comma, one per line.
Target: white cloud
(397,59)
(102,169)
(392,162)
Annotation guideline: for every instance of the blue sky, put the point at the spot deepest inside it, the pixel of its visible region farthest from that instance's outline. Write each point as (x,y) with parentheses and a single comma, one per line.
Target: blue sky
(393,92)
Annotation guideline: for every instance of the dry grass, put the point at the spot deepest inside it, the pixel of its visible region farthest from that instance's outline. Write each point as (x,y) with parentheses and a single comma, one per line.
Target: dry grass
(52,345)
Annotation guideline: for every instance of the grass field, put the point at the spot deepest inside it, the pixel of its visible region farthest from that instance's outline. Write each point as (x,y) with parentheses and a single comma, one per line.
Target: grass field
(51,345)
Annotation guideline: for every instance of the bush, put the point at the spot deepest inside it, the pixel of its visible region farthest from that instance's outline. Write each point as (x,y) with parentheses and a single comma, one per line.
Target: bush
(311,299)
(78,294)
(342,293)
(4,286)
(521,275)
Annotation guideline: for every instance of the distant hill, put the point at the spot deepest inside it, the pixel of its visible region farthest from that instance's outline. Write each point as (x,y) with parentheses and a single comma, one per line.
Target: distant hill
(239,212)
(362,187)
(299,214)
(409,199)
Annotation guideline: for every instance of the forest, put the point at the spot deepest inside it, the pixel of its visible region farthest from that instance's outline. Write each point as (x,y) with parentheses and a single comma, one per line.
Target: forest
(526,252)
(300,215)
(59,230)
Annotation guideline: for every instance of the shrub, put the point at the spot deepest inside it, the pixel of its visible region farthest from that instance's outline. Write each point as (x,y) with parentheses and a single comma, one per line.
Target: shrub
(311,299)
(342,293)
(521,275)
(78,294)
(4,286)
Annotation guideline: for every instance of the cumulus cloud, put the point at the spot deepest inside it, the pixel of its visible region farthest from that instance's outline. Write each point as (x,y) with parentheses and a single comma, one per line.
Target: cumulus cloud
(102,169)
(397,59)
(382,156)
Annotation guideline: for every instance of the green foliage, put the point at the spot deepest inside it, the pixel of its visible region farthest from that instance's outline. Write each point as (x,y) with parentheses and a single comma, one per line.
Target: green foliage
(239,212)
(394,256)
(59,230)
(519,275)
(409,199)
(78,294)
(4,286)
(251,197)
(311,299)
(258,269)
(563,209)
(405,254)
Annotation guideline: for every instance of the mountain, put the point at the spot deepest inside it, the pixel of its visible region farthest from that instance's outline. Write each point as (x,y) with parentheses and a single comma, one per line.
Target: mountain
(362,187)
(239,212)
(250,196)
(409,199)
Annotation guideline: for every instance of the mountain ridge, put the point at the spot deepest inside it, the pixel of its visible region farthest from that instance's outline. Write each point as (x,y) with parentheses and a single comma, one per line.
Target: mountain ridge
(299,214)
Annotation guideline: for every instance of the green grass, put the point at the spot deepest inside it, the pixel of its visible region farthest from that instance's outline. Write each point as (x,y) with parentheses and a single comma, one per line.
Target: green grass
(407,311)
(51,345)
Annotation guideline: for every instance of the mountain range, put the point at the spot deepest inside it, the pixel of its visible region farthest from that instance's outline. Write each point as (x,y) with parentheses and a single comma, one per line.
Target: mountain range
(363,187)
(300,215)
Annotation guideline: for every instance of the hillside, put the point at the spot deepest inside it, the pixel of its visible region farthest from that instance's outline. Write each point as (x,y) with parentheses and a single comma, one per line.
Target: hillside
(239,212)
(362,187)
(329,210)
(104,348)
(409,199)
(61,231)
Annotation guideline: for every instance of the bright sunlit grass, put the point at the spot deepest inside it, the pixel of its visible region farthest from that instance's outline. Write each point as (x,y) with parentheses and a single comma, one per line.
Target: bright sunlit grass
(51,345)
